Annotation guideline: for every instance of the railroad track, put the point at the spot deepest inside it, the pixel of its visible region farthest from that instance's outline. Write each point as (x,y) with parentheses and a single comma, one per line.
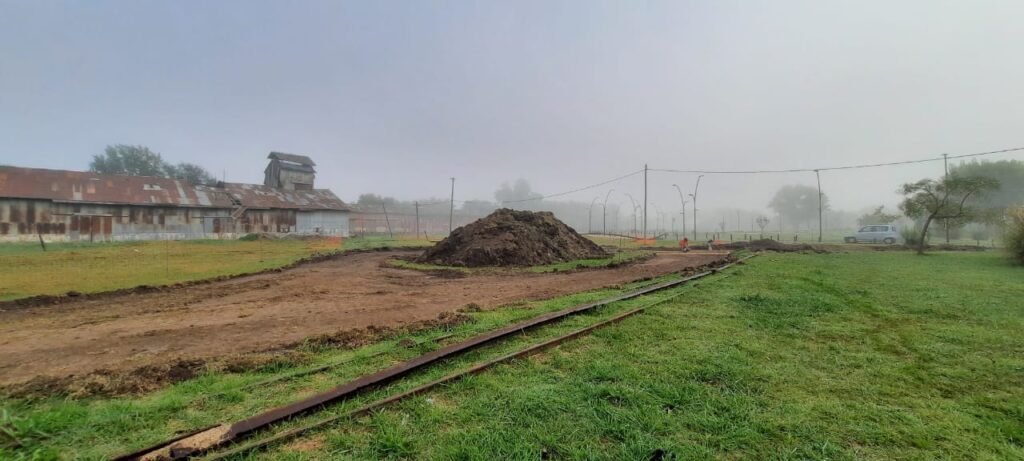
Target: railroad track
(219,436)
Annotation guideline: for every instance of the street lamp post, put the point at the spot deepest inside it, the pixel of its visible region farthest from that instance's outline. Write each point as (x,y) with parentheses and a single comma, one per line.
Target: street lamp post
(684,216)
(683,202)
(590,212)
(604,213)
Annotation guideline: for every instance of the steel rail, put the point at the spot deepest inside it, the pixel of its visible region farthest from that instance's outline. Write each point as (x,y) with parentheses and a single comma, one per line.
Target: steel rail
(479,367)
(196,443)
(422,388)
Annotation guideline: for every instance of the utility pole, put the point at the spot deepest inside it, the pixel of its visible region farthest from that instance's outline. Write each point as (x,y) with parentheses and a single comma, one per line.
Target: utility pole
(417,205)
(451,209)
(645,201)
(604,213)
(694,195)
(818,175)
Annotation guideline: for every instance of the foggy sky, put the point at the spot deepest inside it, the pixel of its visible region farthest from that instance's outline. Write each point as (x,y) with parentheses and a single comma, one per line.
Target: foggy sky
(396,97)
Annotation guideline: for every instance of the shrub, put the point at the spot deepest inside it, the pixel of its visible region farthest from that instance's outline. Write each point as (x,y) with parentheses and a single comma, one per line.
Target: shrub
(910,235)
(1014,237)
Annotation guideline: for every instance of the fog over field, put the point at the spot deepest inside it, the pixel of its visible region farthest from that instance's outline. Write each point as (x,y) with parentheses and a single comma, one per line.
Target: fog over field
(394,98)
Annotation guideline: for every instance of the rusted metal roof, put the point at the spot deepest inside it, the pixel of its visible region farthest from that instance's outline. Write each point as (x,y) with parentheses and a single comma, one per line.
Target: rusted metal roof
(259,196)
(83,186)
(87,187)
(294,158)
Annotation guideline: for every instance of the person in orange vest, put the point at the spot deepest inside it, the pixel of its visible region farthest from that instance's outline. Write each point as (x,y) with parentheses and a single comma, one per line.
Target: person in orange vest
(684,244)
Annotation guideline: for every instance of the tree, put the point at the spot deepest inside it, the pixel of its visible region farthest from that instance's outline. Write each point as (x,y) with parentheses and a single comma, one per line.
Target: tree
(477,207)
(946,198)
(877,217)
(762,222)
(518,191)
(797,203)
(140,161)
(1015,234)
(1009,173)
(375,200)
(190,172)
(128,160)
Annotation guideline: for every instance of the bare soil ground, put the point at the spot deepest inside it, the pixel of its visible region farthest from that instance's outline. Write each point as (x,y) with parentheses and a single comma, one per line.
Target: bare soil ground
(273,310)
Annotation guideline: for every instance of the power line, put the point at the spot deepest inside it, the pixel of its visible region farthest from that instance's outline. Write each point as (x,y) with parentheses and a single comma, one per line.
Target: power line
(793,170)
(847,167)
(581,189)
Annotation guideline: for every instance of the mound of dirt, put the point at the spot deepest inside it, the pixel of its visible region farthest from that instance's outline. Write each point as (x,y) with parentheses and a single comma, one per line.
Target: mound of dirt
(770,245)
(512,238)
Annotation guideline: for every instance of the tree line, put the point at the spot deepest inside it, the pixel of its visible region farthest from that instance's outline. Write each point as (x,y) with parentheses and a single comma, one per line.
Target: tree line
(982,192)
(130,160)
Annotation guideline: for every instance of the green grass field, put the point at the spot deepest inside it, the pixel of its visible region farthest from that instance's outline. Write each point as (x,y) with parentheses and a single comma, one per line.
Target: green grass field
(803,236)
(27,270)
(838,356)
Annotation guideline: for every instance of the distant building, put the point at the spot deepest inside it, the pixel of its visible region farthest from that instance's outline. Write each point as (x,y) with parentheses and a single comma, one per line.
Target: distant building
(60,205)
(289,172)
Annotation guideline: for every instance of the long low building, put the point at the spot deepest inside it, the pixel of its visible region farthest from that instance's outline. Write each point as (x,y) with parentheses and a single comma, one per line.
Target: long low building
(59,205)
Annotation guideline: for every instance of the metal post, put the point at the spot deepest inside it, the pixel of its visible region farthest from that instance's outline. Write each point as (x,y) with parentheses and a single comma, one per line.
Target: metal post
(40,235)
(684,218)
(451,208)
(604,213)
(590,212)
(818,175)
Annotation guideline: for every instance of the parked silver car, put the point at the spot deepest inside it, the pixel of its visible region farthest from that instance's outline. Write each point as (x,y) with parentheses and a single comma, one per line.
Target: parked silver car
(875,233)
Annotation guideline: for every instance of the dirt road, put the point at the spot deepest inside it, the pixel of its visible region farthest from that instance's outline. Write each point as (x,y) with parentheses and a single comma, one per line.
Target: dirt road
(269,310)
